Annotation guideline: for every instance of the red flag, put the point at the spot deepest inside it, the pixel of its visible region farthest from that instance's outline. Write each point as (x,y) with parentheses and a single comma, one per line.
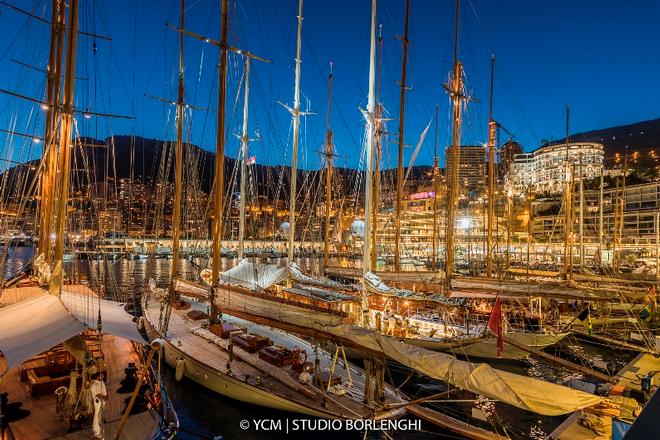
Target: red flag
(495,325)
(251,160)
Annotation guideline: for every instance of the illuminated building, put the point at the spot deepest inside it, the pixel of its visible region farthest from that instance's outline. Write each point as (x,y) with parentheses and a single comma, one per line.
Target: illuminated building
(544,170)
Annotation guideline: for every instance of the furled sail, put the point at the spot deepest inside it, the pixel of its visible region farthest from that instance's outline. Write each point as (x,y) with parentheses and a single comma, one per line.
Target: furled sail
(296,274)
(254,276)
(520,391)
(377,286)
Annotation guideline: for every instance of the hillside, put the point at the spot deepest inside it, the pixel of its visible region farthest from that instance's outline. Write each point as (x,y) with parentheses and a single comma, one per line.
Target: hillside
(641,137)
(151,159)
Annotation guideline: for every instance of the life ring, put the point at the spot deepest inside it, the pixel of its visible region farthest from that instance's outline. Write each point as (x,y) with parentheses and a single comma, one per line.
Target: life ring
(180,369)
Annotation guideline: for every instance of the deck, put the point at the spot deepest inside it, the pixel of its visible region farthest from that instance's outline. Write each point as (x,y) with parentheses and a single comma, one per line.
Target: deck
(572,429)
(42,421)
(246,367)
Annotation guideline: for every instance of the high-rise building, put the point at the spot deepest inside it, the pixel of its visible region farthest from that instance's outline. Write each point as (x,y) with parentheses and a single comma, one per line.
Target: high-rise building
(510,149)
(471,166)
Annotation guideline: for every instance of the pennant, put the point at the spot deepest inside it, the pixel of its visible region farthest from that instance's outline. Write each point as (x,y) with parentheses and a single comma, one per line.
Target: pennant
(583,314)
(495,325)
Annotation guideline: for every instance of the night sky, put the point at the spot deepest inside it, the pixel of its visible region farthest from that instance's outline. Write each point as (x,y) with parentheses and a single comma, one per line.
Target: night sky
(599,56)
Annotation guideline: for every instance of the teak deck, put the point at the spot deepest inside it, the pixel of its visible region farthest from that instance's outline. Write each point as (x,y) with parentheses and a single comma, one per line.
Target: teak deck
(42,422)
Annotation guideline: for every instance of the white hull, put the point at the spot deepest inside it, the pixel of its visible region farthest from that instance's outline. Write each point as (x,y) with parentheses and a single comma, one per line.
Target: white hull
(487,348)
(206,364)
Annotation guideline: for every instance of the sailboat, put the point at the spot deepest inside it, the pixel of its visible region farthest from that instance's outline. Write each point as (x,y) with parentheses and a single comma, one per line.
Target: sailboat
(268,291)
(67,356)
(239,358)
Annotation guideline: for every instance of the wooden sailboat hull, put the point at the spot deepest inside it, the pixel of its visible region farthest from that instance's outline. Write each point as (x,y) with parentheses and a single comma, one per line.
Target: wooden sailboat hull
(207,366)
(487,348)
(266,306)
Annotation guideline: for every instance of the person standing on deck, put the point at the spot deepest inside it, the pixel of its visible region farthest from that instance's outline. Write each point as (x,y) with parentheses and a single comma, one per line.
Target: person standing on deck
(100,395)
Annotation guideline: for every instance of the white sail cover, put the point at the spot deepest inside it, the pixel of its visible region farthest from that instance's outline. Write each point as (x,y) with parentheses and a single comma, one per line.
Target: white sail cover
(34,325)
(520,391)
(254,276)
(298,275)
(114,319)
(376,285)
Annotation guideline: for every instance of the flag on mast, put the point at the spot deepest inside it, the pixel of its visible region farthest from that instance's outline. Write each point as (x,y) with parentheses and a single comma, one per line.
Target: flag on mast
(495,325)
(252,160)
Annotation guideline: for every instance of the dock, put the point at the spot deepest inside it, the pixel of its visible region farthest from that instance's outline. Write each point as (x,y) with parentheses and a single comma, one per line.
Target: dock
(573,428)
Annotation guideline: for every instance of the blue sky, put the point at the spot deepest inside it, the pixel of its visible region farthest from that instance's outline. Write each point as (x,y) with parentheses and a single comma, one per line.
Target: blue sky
(599,56)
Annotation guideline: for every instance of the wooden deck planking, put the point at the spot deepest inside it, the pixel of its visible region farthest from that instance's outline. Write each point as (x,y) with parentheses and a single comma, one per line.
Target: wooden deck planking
(42,423)
(571,429)
(180,329)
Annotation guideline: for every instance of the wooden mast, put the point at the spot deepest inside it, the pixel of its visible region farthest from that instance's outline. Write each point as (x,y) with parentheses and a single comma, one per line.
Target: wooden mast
(492,130)
(399,170)
(436,193)
(567,203)
(581,218)
(328,176)
(244,158)
(296,128)
(378,145)
(55,285)
(366,250)
(245,140)
(178,173)
(219,163)
(52,103)
(600,220)
(455,89)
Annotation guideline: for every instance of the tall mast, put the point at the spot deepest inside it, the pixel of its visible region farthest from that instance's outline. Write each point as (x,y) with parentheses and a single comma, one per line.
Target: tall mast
(366,251)
(457,102)
(581,218)
(328,177)
(436,192)
(567,201)
(55,285)
(219,162)
(492,129)
(378,153)
(399,169)
(296,128)
(244,152)
(178,168)
(53,97)
(600,219)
